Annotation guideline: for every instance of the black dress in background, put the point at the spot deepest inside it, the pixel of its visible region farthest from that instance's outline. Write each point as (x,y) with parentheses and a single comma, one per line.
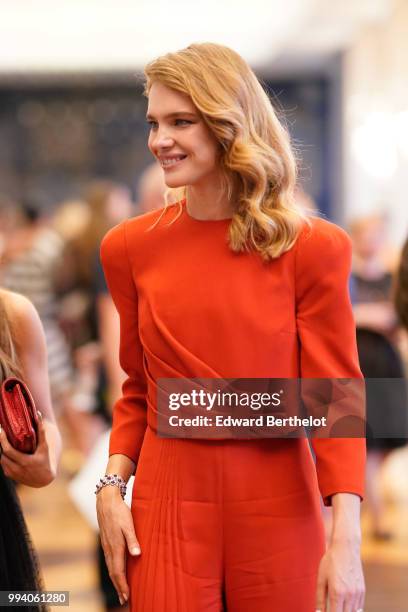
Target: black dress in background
(386,402)
(18,564)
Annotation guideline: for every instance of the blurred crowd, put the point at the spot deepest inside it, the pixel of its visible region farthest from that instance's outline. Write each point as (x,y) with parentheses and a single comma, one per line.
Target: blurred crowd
(380,311)
(52,257)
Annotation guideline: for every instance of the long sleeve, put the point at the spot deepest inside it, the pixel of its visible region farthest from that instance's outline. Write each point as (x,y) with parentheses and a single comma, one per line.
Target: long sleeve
(328,348)
(129,412)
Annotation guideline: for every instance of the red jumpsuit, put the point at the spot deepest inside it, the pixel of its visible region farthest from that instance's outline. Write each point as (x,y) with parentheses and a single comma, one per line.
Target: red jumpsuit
(231,525)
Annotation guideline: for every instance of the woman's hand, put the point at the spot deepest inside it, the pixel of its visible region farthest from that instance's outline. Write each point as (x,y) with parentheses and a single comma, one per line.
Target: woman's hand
(34,470)
(117,532)
(340,579)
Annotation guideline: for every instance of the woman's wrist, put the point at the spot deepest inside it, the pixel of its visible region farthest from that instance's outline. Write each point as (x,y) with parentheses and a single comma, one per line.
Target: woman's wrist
(117,473)
(346,528)
(121,465)
(112,480)
(345,537)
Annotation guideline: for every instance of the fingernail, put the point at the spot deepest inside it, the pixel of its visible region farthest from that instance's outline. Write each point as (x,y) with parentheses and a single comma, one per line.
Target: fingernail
(120,601)
(135,550)
(125,597)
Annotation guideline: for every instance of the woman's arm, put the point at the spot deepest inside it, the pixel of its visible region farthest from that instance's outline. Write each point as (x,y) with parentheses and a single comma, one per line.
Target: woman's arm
(328,350)
(129,412)
(346,519)
(328,347)
(40,468)
(108,324)
(341,578)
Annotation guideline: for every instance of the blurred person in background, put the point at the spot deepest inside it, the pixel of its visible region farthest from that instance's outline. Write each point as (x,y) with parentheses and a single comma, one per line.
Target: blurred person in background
(93,334)
(372,275)
(69,220)
(23,354)
(376,321)
(9,219)
(151,189)
(401,292)
(30,265)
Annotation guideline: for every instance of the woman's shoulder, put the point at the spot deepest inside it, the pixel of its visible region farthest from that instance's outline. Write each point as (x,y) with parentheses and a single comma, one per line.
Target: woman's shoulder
(319,235)
(135,229)
(21,313)
(16,304)
(322,251)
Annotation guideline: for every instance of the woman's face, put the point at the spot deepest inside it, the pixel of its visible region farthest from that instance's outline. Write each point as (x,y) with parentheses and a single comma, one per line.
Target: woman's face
(179,138)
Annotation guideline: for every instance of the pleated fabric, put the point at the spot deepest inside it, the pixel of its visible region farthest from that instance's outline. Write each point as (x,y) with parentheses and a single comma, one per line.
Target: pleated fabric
(225,525)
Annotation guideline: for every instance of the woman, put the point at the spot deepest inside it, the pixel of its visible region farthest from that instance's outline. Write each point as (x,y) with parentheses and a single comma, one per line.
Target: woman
(229,282)
(108,203)
(23,354)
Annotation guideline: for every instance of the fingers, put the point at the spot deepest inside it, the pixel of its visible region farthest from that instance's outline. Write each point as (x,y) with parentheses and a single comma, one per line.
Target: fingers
(351,603)
(115,557)
(118,575)
(321,593)
(361,601)
(336,602)
(41,430)
(8,450)
(130,537)
(10,468)
(117,535)
(356,602)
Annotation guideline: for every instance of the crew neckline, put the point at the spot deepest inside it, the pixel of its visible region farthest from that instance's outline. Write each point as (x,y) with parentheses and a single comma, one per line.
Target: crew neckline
(202,221)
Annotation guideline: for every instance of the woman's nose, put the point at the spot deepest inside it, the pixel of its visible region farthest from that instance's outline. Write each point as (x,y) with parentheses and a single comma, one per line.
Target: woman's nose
(163,139)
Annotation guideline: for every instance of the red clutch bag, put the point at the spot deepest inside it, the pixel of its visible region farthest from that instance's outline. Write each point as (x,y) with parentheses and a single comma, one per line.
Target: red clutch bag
(18,415)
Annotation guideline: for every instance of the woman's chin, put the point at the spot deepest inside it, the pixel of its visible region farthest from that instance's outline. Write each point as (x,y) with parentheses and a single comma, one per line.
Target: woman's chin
(173,182)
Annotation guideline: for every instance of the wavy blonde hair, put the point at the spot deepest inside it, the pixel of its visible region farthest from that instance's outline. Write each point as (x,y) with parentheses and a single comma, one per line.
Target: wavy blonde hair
(9,361)
(257,161)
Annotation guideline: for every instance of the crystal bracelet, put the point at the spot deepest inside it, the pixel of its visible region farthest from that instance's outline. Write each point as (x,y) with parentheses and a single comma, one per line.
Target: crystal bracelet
(114,480)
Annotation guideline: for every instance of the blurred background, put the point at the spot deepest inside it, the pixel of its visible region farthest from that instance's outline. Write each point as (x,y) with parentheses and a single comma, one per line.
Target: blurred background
(74,162)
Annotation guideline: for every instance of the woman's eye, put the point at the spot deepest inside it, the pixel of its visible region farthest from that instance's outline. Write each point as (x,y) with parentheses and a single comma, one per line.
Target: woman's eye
(152,124)
(182,122)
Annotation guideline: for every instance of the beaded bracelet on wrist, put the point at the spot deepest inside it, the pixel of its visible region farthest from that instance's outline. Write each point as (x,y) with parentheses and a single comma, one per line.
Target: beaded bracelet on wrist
(112,480)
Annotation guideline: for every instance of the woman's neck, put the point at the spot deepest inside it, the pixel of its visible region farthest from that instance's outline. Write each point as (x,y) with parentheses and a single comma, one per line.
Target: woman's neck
(208,201)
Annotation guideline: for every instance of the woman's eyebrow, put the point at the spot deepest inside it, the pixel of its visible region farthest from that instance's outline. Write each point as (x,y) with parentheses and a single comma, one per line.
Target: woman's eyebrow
(172,115)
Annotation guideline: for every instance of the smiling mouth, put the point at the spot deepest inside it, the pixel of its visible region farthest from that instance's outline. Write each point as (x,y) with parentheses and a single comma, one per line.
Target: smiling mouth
(169,162)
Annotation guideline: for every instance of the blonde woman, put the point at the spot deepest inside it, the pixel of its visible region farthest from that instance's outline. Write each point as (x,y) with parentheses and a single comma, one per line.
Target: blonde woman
(230,281)
(23,354)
